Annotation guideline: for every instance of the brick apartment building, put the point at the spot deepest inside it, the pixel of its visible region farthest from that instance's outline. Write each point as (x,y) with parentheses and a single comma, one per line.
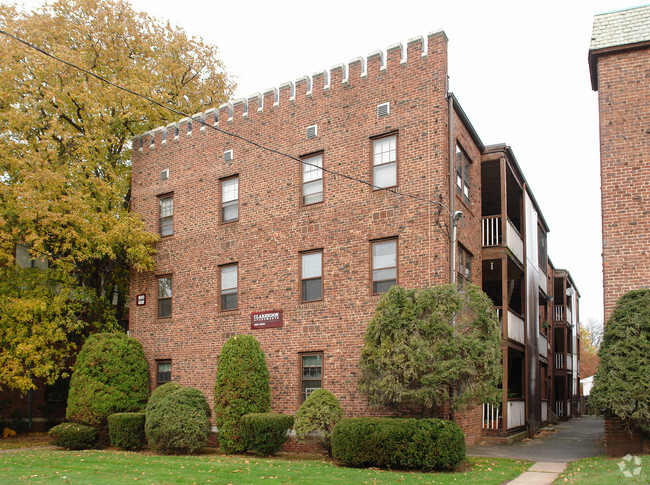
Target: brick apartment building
(298,254)
(619,60)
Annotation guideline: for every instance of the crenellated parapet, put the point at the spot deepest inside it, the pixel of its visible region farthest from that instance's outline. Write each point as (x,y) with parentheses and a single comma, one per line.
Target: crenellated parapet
(357,70)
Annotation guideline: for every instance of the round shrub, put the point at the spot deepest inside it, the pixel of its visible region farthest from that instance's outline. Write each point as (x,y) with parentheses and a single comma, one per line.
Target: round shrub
(264,433)
(179,422)
(319,413)
(110,376)
(241,387)
(416,444)
(126,430)
(159,393)
(73,436)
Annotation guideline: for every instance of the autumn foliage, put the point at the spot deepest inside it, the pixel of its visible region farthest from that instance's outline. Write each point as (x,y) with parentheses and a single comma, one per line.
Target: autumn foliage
(65,167)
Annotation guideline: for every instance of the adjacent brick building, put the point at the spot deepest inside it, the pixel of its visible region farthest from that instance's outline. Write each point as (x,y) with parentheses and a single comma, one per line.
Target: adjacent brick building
(619,61)
(372,162)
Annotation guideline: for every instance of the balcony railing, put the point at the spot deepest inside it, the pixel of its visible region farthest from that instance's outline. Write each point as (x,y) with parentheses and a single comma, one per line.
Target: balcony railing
(516,414)
(542,345)
(516,327)
(491,416)
(493,235)
(560,409)
(560,361)
(558,313)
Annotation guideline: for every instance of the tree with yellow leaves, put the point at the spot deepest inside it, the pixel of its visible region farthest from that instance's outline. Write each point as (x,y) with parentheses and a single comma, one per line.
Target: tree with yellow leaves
(65,167)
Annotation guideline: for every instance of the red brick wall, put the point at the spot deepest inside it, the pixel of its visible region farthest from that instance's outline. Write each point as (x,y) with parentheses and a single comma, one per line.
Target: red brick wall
(624,107)
(620,441)
(273,227)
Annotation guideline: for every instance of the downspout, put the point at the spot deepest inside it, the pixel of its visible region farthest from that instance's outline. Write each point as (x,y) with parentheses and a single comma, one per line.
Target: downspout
(452,191)
(452,206)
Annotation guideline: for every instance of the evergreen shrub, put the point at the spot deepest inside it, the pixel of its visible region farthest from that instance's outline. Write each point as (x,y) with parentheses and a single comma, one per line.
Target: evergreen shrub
(110,376)
(73,436)
(159,393)
(179,422)
(621,384)
(126,430)
(408,443)
(318,414)
(241,387)
(264,433)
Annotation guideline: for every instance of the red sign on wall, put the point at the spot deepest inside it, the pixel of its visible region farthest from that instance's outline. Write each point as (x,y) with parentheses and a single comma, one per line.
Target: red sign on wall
(141,300)
(272,319)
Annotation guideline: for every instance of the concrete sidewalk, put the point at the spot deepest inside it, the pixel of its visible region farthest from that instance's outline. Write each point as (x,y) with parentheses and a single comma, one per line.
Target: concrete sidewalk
(574,439)
(541,473)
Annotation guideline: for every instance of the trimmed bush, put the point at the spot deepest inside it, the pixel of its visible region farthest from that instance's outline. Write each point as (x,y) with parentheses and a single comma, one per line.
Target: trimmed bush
(621,384)
(110,376)
(416,444)
(126,430)
(264,433)
(179,422)
(73,436)
(241,387)
(319,413)
(159,393)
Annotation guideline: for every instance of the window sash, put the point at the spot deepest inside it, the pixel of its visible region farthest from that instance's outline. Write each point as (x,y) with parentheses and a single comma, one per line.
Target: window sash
(462,173)
(384,265)
(163,372)
(166,216)
(230,199)
(311,376)
(384,161)
(229,287)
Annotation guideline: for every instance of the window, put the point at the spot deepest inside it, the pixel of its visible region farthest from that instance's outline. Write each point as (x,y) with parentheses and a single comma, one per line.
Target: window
(462,173)
(463,267)
(311,376)
(163,372)
(165,297)
(311,267)
(230,199)
(384,265)
(166,215)
(312,180)
(541,248)
(229,289)
(384,161)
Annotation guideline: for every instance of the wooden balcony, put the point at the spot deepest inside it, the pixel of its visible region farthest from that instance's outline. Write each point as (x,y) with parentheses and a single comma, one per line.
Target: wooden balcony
(492,236)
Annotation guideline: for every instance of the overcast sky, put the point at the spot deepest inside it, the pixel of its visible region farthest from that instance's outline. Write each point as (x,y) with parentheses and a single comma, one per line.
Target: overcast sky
(518,68)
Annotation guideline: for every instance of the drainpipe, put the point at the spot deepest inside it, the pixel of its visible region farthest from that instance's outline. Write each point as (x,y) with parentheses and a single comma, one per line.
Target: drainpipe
(452,191)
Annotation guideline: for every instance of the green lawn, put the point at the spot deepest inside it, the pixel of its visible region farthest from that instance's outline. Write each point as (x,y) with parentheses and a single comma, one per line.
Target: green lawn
(603,471)
(110,467)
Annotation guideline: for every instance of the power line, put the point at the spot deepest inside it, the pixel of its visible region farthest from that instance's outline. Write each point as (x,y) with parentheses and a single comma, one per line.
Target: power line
(234,135)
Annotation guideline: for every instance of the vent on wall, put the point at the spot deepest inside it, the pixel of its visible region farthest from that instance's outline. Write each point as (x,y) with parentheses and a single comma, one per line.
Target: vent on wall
(164,175)
(383,109)
(227,156)
(312,131)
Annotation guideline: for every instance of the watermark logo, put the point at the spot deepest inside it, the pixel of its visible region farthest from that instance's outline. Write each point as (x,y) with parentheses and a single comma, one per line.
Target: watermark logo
(628,463)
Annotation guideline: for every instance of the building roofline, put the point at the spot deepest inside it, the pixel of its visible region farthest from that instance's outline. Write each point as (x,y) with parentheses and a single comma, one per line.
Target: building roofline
(511,155)
(468,124)
(593,55)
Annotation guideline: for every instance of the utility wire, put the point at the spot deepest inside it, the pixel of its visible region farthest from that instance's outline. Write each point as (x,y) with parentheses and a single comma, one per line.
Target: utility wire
(234,135)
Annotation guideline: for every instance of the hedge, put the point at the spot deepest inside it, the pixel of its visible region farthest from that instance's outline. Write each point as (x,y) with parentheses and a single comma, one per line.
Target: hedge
(110,376)
(159,393)
(416,444)
(264,433)
(73,436)
(126,430)
(319,413)
(241,387)
(179,422)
